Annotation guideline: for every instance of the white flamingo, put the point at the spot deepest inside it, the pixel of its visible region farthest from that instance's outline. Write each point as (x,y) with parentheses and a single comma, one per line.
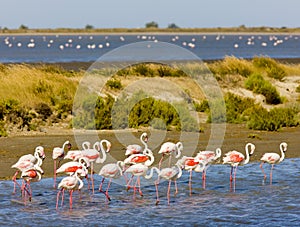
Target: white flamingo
(169,148)
(58,154)
(112,171)
(235,158)
(273,158)
(70,183)
(135,148)
(29,161)
(208,157)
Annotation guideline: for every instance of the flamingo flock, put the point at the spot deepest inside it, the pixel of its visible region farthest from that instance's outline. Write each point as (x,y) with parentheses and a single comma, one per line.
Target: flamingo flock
(139,163)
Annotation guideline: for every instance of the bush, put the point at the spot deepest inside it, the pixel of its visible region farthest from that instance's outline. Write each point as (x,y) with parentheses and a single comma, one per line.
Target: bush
(232,66)
(271,67)
(273,120)
(114,84)
(259,85)
(43,110)
(3,132)
(236,107)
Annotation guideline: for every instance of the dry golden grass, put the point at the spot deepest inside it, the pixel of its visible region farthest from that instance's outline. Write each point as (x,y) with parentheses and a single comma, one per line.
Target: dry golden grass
(23,83)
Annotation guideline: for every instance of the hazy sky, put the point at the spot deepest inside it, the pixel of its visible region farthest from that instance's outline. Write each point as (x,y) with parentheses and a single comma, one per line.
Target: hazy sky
(136,13)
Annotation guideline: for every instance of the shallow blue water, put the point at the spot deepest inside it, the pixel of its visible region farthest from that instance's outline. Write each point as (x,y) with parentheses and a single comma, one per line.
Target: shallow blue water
(86,48)
(252,203)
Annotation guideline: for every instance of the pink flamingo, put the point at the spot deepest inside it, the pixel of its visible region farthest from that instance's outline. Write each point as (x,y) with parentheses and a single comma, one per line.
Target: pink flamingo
(76,154)
(235,158)
(208,157)
(71,167)
(273,158)
(170,174)
(146,159)
(69,183)
(29,175)
(29,161)
(58,154)
(169,148)
(93,155)
(112,171)
(192,164)
(135,148)
(138,170)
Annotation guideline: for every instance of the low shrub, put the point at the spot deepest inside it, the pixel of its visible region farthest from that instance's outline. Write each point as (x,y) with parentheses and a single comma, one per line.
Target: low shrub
(272,68)
(273,120)
(114,84)
(259,85)
(232,66)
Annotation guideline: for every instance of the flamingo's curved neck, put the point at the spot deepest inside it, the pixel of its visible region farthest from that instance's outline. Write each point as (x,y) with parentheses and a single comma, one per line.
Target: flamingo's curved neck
(143,141)
(151,172)
(151,160)
(247,154)
(218,153)
(282,152)
(179,147)
(80,181)
(103,150)
(180,171)
(120,166)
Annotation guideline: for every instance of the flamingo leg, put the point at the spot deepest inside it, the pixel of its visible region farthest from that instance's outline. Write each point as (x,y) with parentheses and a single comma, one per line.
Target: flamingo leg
(62,197)
(168,192)
(71,198)
(106,193)
(139,184)
(92,178)
(14,178)
(271,174)
(204,179)
(190,182)
(157,195)
(100,187)
(265,176)
(234,178)
(231,173)
(128,183)
(57,198)
(176,188)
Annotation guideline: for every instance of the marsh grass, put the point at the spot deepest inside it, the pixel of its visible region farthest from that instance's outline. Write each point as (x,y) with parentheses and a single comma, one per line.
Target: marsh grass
(33,95)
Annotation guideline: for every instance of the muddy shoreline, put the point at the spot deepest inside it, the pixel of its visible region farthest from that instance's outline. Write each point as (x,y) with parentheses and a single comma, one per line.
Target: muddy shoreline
(236,136)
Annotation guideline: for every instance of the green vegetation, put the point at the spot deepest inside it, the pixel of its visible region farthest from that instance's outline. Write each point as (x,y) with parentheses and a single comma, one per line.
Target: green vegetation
(259,85)
(33,96)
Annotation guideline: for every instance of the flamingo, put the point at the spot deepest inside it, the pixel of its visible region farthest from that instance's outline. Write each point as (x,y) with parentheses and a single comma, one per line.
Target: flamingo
(138,170)
(146,159)
(208,157)
(112,171)
(169,148)
(135,148)
(235,158)
(169,173)
(71,167)
(29,175)
(76,154)
(29,161)
(58,154)
(190,164)
(273,158)
(69,183)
